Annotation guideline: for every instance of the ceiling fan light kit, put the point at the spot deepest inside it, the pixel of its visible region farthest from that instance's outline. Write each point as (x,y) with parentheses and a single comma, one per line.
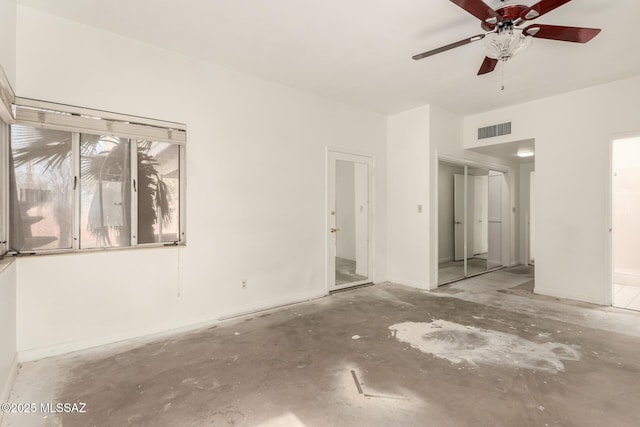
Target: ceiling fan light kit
(504,45)
(505,35)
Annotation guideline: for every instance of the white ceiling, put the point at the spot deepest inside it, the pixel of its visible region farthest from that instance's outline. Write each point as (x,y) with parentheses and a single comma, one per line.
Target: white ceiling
(359,51)
(509,151)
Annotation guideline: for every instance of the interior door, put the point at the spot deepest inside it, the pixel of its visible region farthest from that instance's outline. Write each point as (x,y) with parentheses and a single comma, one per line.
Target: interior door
(448,268)
(349,220)
(532,199)
(459,187)
(480,215)
(494,256)
(471,216)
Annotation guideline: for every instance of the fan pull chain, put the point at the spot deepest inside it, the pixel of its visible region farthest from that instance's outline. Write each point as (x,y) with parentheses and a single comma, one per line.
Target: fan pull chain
(502,74)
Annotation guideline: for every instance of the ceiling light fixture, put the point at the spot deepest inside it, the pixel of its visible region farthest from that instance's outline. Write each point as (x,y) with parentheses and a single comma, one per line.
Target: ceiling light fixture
(525,153)
(505,44)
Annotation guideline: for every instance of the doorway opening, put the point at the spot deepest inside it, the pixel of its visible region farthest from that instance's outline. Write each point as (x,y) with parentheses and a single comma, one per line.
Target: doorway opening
(625,204)
(470,220)
(349,260)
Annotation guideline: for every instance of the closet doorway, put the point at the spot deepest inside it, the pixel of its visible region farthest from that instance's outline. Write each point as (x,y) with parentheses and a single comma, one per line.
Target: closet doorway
(470,211)
(625,204)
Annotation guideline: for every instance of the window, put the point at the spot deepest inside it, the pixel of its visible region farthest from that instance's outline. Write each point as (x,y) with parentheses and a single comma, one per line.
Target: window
(40,177)
(158,192)
(82,182)
(105,196)
(6,116)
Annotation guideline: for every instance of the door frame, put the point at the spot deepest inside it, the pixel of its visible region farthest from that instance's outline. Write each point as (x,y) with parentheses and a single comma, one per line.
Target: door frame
(609,290)
(332,154)
(529,234)
(506,226)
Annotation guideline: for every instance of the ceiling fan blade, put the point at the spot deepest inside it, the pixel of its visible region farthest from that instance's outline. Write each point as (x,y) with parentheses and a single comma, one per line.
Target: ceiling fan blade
(488,65)
(449,47)
(558,32)
(540,8)
(480,10)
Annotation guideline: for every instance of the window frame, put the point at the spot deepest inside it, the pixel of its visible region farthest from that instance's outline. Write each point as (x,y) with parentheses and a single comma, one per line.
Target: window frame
(4,187)
(7,98)
(107,120)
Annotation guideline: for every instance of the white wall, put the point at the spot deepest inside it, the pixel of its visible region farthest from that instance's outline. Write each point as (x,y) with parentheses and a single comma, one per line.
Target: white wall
(445,211)
(346,210)
(8,39)
(408,187)
(573,133)
(8,361)
(255,191)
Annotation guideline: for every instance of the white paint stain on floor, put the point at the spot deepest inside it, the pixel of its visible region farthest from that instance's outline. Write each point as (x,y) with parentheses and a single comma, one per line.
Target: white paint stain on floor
(459,343)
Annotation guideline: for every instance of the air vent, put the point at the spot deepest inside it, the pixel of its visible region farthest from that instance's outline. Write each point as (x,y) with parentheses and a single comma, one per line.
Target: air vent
(494,130)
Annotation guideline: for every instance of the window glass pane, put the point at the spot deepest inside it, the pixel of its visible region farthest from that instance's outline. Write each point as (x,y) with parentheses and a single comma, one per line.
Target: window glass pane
(158,192)
(41,189)
(105,196)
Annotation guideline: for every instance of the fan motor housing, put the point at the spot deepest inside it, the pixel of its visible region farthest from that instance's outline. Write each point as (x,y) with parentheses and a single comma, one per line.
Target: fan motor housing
(508,13)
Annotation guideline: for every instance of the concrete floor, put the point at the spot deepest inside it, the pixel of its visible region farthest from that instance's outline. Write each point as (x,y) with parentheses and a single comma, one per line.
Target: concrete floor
(487,353)
(454,270)
(346,272)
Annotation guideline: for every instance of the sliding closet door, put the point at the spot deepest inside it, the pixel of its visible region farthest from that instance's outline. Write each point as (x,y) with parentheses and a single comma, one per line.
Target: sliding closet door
(451,217)
(494,258)
(470,220)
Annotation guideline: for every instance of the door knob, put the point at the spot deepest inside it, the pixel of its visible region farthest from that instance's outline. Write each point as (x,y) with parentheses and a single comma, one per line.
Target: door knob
(333,230)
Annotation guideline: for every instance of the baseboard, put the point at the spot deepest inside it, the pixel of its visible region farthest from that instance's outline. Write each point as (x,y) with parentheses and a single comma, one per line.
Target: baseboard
(568,295)
(191,325)
(8,385)
(409,283)
(272,304)
(626,279)
(443,260)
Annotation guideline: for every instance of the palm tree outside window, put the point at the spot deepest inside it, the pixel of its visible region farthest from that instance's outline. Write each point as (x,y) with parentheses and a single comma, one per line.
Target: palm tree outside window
(114,182)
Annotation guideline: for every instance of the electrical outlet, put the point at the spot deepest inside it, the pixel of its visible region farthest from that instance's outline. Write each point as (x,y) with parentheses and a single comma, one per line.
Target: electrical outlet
(244,284)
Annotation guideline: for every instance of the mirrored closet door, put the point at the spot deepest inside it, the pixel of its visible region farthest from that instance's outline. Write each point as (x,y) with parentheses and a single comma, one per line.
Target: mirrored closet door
(469,221)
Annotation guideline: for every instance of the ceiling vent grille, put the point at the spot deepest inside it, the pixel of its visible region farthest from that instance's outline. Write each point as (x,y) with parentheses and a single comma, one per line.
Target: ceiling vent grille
(494,130)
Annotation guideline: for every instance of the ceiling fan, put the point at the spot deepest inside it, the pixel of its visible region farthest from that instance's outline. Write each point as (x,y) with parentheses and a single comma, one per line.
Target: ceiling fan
(505,34)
